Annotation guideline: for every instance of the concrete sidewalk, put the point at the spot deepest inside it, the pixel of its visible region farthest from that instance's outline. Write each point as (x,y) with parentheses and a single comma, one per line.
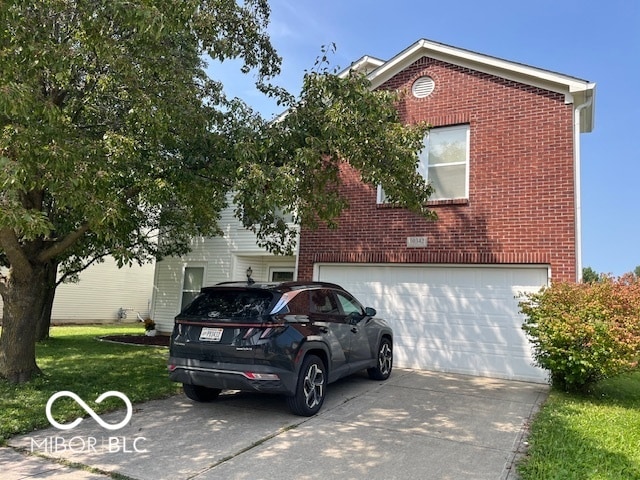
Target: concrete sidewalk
(417,424)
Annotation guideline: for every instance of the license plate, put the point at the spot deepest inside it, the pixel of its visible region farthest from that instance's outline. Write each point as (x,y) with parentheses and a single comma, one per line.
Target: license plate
(208,334)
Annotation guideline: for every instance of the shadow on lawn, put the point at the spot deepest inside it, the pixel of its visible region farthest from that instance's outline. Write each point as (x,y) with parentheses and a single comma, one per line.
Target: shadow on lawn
(156,341)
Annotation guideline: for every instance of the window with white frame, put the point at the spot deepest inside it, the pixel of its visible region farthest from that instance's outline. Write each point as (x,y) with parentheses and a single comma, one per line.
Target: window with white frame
(444,162)
(281,274)
(191,284)
(285,216)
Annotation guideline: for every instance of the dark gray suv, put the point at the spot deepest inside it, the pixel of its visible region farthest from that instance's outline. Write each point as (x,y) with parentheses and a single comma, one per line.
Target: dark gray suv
(290,338)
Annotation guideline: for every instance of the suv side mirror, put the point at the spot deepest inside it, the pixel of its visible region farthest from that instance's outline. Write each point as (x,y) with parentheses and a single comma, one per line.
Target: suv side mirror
(355,317)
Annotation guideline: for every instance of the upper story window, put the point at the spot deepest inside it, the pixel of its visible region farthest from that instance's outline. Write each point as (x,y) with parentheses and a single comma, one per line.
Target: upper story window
(444,162)
(191,284)
(286,217)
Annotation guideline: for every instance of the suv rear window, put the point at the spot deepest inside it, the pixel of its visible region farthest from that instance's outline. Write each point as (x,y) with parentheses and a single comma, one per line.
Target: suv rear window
(229,304)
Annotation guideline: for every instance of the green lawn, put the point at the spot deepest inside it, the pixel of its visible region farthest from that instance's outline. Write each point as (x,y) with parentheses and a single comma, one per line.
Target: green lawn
(573,437)
(587,437)
(73,359)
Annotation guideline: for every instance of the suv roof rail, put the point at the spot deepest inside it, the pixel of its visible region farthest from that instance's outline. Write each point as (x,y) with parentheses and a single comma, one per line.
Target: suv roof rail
(293,285)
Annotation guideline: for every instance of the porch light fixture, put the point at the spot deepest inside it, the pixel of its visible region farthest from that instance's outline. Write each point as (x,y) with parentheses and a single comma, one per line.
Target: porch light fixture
(249,273)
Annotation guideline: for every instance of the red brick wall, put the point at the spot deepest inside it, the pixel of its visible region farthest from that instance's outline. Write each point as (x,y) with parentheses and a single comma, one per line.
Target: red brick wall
(521,185)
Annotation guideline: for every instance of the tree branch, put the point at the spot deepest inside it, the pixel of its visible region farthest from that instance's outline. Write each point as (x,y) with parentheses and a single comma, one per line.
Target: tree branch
(12,249)
(60,246)
(80,269)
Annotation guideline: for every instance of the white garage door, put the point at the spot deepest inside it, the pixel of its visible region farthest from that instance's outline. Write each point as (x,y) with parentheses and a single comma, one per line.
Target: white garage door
(460,319)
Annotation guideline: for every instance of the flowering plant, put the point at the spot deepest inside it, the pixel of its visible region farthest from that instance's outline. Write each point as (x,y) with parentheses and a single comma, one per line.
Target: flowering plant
(149,324)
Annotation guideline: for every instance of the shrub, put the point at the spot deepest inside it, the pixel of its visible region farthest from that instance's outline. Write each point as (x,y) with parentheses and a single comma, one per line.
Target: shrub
(583,333)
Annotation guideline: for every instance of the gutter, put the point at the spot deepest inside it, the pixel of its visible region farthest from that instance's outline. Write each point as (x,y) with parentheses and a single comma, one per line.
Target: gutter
(576,175)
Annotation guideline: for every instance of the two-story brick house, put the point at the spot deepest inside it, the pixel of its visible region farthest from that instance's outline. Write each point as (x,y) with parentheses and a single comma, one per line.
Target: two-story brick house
(504,157)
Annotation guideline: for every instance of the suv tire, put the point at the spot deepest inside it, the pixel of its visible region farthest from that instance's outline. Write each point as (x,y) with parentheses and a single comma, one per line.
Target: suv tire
(384,364)
(310,388)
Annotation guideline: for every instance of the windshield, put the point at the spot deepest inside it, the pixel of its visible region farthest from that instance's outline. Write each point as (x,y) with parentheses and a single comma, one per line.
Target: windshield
(215,304)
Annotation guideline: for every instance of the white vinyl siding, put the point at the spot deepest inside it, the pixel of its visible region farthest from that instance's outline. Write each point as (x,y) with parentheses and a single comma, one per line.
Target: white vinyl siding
(225,258)
(102,291)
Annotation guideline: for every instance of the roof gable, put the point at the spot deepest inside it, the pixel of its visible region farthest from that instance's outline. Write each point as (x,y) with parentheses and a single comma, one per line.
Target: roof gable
(365,64)
(578,92)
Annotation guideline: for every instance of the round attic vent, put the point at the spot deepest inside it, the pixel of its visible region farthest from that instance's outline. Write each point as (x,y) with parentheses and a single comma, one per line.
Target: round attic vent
(422,87)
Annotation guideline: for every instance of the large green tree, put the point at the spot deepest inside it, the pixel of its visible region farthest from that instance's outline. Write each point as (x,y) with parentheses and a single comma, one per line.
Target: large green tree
(113,136)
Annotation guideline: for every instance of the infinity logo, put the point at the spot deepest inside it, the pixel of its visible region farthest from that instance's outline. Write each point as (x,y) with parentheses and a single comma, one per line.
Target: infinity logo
(89,410)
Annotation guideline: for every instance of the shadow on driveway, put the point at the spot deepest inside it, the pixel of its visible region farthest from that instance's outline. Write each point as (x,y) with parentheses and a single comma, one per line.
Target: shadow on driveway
(417,424)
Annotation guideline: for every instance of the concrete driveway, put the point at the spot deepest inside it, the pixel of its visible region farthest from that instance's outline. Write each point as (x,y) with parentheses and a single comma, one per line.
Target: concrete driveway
(417,424)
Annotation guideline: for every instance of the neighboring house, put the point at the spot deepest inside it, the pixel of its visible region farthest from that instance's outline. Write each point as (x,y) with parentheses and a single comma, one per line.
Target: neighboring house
(104,290)
(211,260)
(504,157)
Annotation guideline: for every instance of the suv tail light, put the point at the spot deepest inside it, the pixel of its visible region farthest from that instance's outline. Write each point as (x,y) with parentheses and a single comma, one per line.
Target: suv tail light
(261,376)
(263,332)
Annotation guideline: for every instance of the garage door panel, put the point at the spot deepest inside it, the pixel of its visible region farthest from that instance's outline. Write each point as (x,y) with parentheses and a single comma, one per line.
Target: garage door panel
(461,361)
(411,296)
(473,334)
(458,319)
(440,348)
(451,308)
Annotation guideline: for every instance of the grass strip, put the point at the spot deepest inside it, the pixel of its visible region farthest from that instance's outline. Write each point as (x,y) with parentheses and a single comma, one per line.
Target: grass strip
(75,359)
(594,436)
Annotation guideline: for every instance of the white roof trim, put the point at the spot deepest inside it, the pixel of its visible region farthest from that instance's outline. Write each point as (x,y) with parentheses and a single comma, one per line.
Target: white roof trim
(576,91)
(365,64)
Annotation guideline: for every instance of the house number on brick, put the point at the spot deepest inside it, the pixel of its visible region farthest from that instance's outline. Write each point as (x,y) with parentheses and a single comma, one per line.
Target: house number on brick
(416,242)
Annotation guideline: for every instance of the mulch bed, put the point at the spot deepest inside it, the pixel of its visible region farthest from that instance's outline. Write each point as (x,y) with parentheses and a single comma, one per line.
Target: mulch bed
(158,340)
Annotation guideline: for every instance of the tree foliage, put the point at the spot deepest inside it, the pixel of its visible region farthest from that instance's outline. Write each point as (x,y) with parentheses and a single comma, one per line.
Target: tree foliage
(112,133)
(585,332)
(589,275)
(293,163)
(106,112)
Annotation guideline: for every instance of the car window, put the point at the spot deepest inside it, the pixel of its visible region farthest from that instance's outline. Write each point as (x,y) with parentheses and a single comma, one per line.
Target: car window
(294,302)
(323,301)
(229,304)
(350,306)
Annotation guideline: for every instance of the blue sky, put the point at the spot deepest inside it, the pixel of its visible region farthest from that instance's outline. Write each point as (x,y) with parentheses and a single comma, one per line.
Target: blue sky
(592,40)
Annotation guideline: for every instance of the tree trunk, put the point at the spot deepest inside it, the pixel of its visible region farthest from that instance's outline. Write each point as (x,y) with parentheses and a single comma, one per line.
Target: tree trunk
(23,302)
(44,319)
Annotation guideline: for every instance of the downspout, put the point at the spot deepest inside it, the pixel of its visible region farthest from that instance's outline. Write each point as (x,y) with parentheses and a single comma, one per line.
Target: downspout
(576,172)
(296,252)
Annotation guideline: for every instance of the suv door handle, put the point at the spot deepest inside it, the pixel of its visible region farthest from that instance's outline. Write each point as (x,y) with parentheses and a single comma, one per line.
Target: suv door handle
(354,329)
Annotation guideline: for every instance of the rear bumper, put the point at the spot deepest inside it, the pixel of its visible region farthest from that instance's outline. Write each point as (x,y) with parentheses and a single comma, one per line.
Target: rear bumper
(228,376)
